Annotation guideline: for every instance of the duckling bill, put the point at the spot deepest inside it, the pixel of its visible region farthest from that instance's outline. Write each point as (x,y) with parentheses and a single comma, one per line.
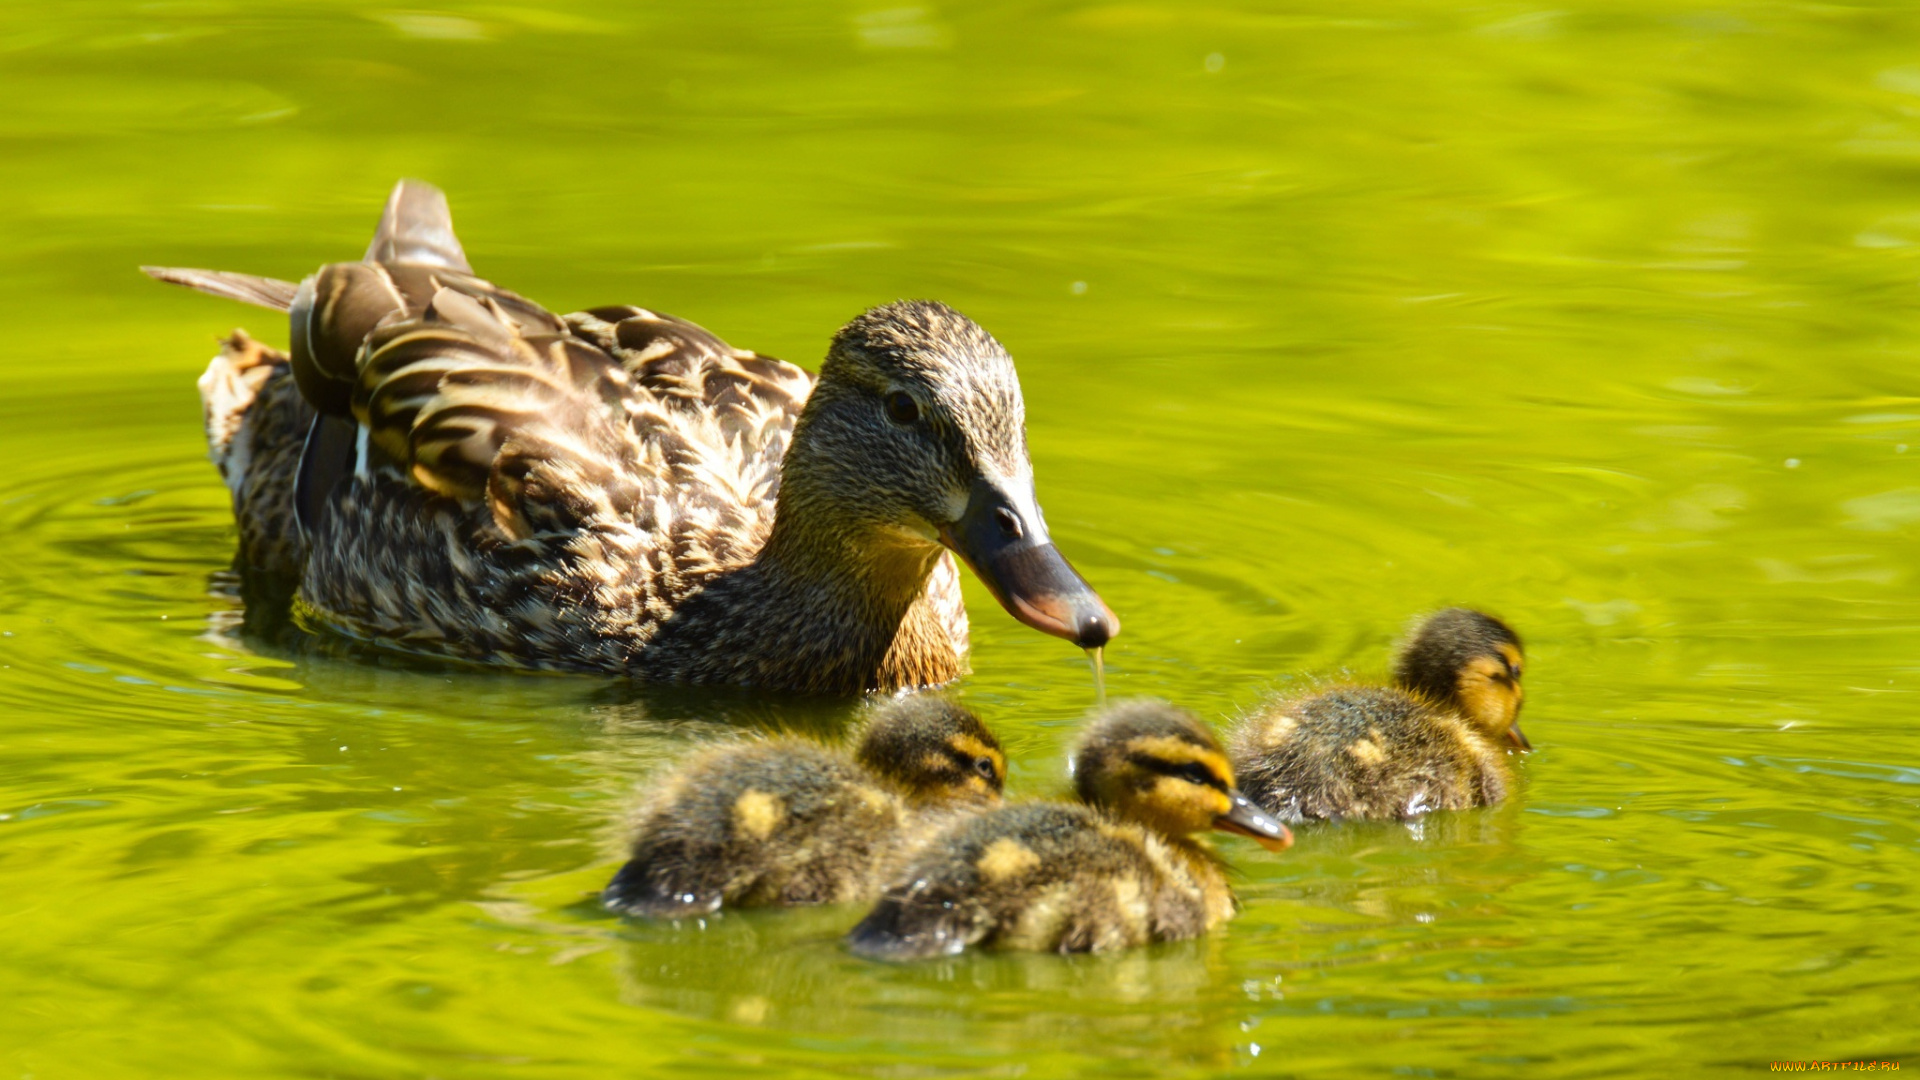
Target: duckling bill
(788,821)
(446,467)
(1118,869)
(1434,740)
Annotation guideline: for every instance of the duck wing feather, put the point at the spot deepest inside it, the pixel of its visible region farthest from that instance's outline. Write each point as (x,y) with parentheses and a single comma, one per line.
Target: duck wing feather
(417,227)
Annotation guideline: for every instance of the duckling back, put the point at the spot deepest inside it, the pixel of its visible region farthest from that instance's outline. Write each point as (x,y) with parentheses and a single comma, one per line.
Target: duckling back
(781,821)
(1048,877)
(1364,752)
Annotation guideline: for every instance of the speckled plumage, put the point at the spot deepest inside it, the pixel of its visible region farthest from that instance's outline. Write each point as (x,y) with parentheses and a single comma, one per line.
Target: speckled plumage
(613,490)
(787,821)
(1117,870)
(1430,742)
(252,410)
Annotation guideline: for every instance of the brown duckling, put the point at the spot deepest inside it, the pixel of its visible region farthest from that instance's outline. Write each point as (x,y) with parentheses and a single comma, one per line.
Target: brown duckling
(1119,869)
(788,821)
(1432,741)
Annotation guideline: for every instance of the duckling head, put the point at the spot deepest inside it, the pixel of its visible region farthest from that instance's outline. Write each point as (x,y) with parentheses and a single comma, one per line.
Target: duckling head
(933,749)
(1472,661)
(1149,762)
(914,438)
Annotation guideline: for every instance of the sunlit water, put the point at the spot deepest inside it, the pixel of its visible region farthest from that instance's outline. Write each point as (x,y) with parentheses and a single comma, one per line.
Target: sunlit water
(1605,318)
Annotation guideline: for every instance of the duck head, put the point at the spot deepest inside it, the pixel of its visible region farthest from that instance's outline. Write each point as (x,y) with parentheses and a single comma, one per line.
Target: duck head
(915,438)
(934,750)
(1149,762)
(1471,661)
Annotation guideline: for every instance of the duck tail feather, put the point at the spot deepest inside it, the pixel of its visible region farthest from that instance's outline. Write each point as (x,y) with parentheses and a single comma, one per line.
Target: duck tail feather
(247,288)
(417,227)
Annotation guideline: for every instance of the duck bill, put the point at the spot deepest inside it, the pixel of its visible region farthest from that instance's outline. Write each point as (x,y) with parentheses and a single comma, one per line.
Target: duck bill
(1518,737)
(1249,820)
(1004,539)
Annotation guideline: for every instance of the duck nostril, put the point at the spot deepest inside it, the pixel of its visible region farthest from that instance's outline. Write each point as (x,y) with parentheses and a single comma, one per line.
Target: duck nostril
(1009,523)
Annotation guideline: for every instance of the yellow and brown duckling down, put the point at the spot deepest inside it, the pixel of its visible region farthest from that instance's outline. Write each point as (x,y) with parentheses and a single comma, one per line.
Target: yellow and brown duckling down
(788,821)
(446,467)
(1121,868)
(1434,740)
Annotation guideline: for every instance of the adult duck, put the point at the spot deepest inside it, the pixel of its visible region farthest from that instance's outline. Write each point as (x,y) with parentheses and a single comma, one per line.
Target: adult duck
(448,468)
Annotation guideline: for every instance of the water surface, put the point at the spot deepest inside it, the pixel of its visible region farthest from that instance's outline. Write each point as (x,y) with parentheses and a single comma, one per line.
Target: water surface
(1604,317)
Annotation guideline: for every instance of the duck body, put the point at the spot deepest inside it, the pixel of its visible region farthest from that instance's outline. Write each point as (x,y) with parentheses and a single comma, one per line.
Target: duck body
(447,468)
(787,821)
(778,822)
(1435,740)
(1047,877)
(1116,870)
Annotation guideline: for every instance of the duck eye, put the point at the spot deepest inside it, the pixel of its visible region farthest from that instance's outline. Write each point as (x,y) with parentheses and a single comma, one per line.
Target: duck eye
(984,766)
(901,408)
(1009,523)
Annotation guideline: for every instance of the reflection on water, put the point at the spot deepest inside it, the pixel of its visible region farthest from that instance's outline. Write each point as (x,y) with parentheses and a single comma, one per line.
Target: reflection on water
(1601,319)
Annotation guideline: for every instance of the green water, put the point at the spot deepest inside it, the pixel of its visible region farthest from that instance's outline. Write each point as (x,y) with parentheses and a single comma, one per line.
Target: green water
(1605,318)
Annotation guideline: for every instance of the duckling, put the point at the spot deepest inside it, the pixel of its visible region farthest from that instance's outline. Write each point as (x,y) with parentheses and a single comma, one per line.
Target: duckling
(786,820)
(1431,741)
(1118,869)
(445,467)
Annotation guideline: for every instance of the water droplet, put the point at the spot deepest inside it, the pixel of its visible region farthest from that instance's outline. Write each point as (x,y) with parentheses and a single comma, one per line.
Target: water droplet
(1215,62)
(1793,463)
(1078,288)
(1099,677)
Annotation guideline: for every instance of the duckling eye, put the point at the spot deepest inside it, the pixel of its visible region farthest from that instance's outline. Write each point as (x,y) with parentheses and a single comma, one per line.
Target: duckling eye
(1195,773)
(901,408)
(984,766)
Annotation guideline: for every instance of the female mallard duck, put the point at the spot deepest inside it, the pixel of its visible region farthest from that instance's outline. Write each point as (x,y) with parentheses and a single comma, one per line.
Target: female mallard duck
(788,821)
(1432,741)
(449,468)
(1120,869)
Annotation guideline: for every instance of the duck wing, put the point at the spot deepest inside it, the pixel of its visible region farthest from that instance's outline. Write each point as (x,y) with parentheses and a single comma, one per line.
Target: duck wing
(727,414)
(480,398)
